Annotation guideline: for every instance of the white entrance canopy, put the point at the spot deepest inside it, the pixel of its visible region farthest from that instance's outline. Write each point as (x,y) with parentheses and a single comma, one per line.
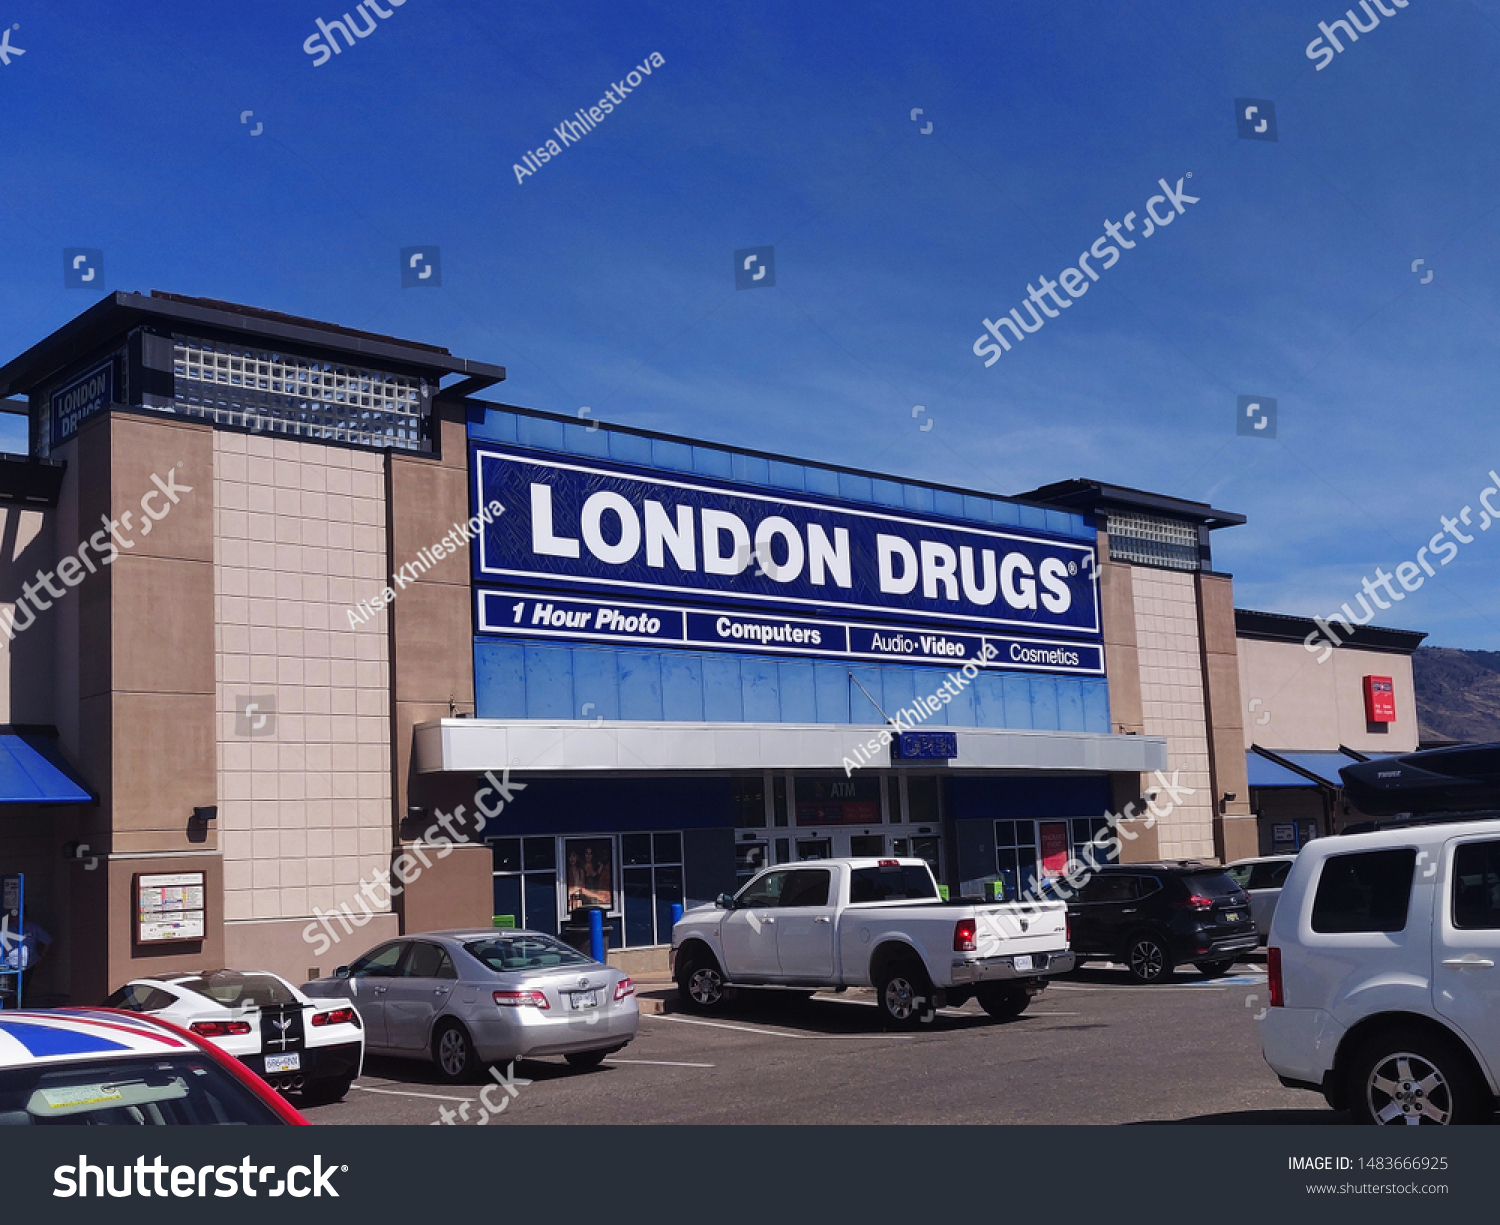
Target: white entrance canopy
(474,745)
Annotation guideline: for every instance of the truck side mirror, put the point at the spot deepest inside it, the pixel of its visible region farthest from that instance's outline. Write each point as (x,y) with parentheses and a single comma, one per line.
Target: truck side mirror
(725,901)
(341,972)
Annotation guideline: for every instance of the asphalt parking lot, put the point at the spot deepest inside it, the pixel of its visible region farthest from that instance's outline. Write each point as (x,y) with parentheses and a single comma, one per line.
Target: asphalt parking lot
(1095,1048)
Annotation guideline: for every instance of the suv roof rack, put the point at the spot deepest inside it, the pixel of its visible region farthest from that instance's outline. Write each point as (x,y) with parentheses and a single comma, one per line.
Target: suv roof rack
(1404,819)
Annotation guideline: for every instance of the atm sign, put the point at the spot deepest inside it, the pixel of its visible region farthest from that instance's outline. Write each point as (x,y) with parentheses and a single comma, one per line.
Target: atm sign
(1380,700)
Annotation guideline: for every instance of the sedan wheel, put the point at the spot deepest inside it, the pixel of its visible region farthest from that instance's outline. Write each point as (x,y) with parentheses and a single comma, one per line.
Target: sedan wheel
(454,1055)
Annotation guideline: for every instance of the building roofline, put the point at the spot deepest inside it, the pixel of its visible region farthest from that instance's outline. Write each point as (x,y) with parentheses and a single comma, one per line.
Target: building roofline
(778,457)
(1279,627)
(117,313)
(1082,494)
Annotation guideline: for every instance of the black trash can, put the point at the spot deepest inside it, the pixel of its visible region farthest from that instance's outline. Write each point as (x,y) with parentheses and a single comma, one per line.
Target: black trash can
(575,932)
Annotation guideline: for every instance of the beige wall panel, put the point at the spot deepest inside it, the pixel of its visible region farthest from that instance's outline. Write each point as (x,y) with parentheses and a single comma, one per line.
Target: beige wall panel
(454,892)
(282,947)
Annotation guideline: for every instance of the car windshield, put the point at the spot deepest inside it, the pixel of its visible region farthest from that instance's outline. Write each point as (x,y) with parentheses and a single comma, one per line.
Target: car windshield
(1217,883)
(235,990)
(132,1092)
(507,954)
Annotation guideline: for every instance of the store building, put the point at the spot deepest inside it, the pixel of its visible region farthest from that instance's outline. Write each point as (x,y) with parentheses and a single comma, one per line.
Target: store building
(347,621)
(1318,697)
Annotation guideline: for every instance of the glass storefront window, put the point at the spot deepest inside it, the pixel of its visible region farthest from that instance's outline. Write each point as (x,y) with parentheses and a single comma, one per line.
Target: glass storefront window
(922,801)
(778,799)
(525,889)
(1016,857)
(893,794)
(653,883)
(748,800)
(838,800)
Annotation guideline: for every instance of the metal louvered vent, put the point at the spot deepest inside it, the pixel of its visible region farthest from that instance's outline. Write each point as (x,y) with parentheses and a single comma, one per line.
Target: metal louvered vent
(1146,540)
(287,395)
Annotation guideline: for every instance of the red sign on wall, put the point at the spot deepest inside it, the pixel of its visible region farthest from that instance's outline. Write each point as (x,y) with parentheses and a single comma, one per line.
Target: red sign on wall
(1054,847)
(1380,700)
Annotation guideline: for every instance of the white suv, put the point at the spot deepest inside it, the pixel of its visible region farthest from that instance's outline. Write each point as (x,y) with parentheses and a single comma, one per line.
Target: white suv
(1385,991)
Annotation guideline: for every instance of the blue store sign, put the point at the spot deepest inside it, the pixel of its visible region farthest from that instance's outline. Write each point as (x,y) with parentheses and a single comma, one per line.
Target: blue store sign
(597,530)
(75,403)
(527,614)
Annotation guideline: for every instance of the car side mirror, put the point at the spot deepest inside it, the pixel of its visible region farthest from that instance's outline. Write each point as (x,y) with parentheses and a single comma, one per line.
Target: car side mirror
(341,972)
(725,901)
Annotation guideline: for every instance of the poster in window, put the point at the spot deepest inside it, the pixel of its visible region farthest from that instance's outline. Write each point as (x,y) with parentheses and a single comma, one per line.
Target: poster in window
(1054,836)
(590,869)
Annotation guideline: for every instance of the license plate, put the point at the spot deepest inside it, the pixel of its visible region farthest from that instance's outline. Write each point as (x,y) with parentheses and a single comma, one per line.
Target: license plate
(1022,963)
(1232,916)
(283,1063)
(585,999)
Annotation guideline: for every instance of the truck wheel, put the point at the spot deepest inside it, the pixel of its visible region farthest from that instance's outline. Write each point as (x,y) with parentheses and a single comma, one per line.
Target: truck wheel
(904,996)
(700,983)
(1406,1076)
(1003,1000)
(1148,959)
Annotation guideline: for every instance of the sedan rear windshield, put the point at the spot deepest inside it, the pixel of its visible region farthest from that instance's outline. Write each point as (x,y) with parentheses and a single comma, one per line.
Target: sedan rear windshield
(908,883)
(509,954)
(235,990)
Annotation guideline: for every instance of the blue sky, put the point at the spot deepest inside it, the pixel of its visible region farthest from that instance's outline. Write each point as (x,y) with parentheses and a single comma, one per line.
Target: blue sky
(605,278)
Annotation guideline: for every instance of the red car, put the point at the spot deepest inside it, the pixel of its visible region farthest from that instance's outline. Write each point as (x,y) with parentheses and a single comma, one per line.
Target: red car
(98,1065)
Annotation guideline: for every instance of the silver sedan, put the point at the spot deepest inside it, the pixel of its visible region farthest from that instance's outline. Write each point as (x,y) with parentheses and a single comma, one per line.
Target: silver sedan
(467,999)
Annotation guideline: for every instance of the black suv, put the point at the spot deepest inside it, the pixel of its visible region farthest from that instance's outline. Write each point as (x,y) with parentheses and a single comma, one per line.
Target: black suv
(1156,916)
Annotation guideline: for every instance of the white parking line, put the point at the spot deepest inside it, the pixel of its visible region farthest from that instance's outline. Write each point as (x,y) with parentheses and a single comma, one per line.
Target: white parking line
(661,1063)
(762,1030)
(437,1097)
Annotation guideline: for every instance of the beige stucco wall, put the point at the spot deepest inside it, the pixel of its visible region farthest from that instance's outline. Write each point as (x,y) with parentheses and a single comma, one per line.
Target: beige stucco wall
(1294,702)
(305,811)
(1172,702)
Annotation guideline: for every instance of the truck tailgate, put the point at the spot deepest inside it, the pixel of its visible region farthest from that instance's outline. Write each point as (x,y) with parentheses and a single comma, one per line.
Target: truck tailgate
(1008,928)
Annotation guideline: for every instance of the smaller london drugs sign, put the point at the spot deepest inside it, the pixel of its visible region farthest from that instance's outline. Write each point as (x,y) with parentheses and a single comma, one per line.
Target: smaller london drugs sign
(77,401)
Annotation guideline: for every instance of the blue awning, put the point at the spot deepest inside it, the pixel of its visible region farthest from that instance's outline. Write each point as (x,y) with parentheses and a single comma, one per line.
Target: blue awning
(1326,764)
(32,771)
(1264,772)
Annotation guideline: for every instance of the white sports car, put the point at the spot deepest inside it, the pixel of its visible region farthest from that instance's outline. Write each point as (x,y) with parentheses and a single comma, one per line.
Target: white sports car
(298,1045)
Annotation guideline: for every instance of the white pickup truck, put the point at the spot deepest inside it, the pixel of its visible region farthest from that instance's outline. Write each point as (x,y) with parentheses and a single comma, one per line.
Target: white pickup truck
(837,923)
